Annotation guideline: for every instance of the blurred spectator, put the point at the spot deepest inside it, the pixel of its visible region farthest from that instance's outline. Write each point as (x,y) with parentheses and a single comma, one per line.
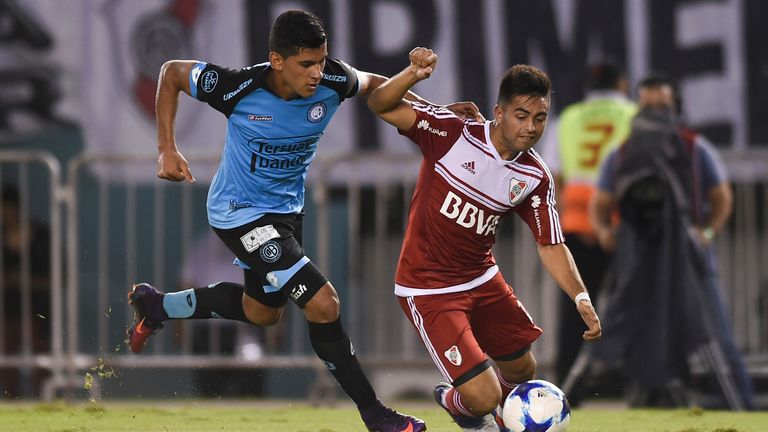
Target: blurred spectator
(673,198)
(25,277)
(587,132)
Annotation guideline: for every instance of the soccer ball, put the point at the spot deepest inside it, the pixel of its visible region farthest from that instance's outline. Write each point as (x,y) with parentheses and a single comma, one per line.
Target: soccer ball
(536,406)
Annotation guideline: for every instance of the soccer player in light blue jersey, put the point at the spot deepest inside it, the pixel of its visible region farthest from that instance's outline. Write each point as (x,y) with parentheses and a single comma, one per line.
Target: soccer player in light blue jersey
(276,113)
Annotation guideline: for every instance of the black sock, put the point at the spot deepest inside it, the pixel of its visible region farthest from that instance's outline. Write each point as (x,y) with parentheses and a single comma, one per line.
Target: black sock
(222,300)
(334,348)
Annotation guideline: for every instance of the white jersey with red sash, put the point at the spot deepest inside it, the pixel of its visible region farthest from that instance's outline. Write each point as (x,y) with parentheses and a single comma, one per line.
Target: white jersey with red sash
(463,190)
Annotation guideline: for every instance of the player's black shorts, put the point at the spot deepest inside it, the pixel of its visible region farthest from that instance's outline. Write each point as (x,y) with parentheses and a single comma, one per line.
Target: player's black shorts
(269,250)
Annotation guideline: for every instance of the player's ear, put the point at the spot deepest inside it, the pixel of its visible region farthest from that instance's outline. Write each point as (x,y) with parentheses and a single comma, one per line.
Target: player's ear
(498,114)
(276,61)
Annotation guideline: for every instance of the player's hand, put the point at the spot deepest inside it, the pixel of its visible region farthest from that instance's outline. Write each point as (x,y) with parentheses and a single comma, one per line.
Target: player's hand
(588,314)
(607,239)
(703,237)
(171,165)
(466,111)
(423,62)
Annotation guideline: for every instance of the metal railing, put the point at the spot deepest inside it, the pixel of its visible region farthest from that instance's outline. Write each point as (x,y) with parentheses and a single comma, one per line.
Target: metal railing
(34,352)
(120,230)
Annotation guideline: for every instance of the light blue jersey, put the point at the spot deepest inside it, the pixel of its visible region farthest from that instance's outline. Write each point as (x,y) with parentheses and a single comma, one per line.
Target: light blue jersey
(270,142)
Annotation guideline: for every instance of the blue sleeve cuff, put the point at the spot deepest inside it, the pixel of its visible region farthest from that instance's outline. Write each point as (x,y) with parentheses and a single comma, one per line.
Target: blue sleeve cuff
(194,75)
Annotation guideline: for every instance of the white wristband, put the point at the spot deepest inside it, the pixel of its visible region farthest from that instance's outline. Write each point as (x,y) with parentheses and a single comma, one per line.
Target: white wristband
(582,296)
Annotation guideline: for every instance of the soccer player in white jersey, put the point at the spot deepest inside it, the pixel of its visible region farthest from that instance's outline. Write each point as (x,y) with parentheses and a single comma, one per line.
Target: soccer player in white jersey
(447,281)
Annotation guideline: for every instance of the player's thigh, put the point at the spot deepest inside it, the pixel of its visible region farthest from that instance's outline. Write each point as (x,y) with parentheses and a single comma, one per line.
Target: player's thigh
(442,322)
(260,307)
(270,249)
(502,326)
(482,392)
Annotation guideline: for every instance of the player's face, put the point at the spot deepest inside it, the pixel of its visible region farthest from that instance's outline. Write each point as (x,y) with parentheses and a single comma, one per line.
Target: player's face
(656,97)
(299,74)
(521,122)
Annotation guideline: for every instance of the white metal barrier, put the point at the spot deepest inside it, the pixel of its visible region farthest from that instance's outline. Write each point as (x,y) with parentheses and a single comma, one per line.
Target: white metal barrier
(121,231)
(33,351)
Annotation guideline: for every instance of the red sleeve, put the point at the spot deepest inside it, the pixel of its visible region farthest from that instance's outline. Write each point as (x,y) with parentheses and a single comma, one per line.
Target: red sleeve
(539,211)
(435,130)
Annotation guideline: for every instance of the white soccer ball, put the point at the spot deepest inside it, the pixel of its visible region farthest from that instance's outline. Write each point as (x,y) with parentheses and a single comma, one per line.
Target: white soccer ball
(536,406)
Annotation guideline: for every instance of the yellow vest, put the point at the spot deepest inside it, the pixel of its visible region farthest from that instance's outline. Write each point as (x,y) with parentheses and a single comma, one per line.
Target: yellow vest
(587,132)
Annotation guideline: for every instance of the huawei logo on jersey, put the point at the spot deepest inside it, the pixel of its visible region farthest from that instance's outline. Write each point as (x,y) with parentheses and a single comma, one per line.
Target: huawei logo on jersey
(424,124)
(469,166)
(469,215)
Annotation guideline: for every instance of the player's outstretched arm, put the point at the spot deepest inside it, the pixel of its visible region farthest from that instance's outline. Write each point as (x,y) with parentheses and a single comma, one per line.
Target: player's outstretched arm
(387,100)
(600,208)
(466,110)
(174,78)
(558,261)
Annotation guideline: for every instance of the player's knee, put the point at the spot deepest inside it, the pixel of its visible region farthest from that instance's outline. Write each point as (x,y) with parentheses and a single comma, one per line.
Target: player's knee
(481,394)
(265,319)
(324,307)
(261,315)
(521,370)
(482,402)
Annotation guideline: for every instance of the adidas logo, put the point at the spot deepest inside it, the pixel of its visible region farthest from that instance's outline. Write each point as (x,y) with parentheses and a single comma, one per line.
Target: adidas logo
(469,166)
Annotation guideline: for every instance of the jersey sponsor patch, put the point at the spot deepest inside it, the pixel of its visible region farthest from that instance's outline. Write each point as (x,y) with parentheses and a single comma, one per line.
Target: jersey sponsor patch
(454,355)
(297,291)
(335,78)
(469,215)
(516,189)
(210,79)
(258,236)
(424,124)
(316,112)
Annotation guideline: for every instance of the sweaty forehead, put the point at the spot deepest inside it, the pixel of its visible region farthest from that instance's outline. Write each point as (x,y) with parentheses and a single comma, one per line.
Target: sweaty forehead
(533,104)
(312,53)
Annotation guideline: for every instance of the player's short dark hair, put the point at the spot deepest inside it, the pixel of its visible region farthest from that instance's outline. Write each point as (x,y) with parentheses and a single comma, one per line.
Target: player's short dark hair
(295,30)
(604,75)
(523,80)
(657,80)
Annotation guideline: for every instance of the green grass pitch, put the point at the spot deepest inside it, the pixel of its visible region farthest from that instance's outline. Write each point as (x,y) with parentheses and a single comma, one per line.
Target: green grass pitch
(274,416)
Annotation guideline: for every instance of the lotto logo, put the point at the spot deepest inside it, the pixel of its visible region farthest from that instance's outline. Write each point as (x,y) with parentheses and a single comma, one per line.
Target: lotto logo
(468,215)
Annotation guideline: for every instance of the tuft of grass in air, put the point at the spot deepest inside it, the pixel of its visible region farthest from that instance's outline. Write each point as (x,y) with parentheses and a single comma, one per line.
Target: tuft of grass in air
(263,416)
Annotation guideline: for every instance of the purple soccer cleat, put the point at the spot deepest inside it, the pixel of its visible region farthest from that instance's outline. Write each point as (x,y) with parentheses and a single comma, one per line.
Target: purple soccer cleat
(379,418)
(148,314)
